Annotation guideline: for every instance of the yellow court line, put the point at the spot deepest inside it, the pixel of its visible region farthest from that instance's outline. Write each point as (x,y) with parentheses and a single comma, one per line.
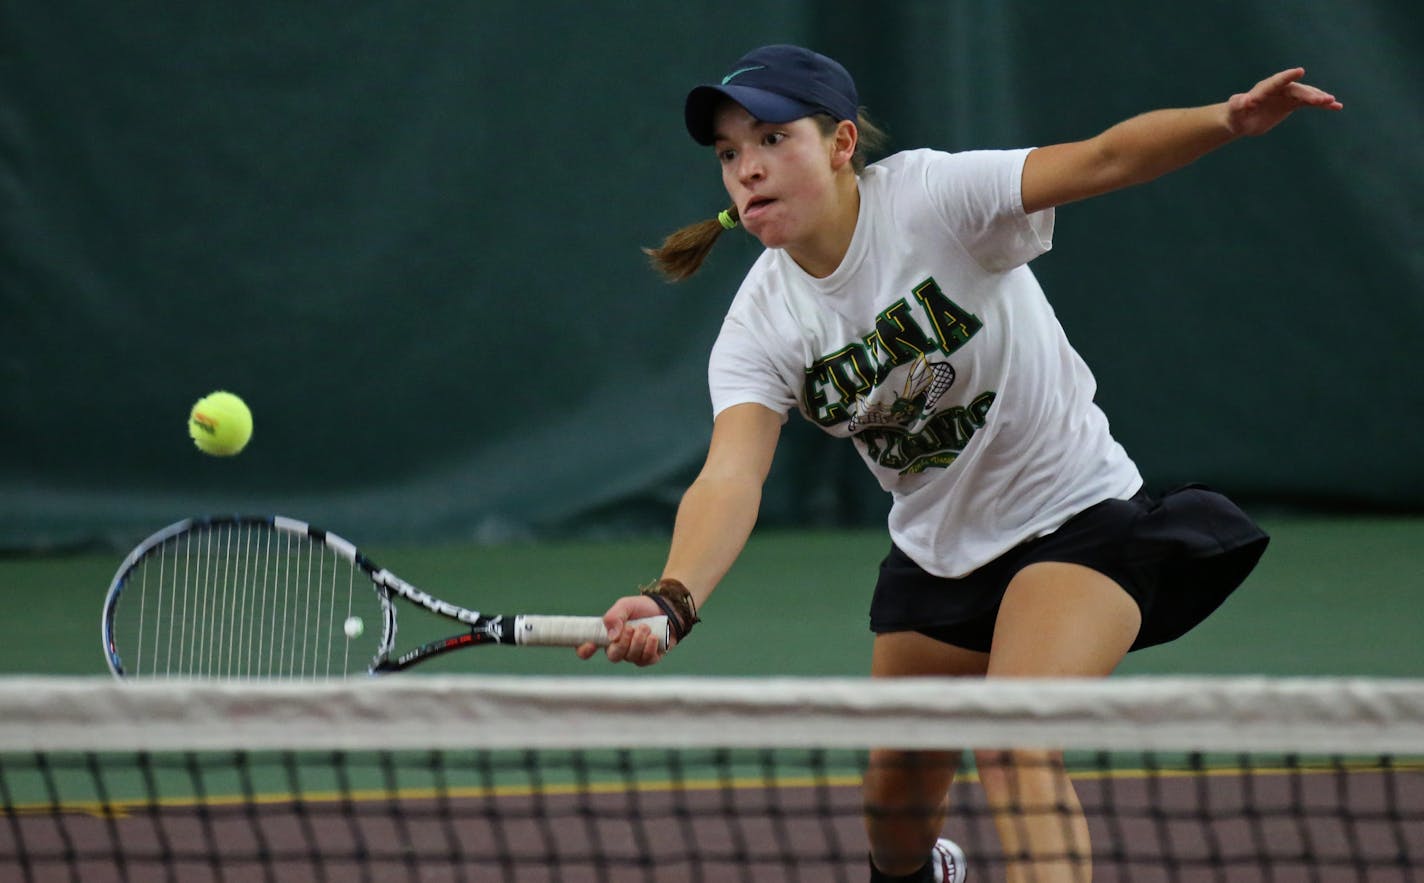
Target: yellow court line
(125,808)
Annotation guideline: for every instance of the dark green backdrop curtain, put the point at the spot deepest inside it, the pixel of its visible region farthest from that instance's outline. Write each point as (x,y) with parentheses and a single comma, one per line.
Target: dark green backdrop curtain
(408,233)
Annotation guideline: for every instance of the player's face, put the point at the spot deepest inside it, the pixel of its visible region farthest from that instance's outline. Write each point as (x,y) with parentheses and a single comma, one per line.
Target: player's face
(779,175)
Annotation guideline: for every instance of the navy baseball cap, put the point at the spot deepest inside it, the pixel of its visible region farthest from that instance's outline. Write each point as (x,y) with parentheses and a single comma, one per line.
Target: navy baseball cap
(776,84)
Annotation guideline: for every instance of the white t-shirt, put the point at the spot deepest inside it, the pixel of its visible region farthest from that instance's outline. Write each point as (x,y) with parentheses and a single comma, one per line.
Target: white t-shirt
(934,348)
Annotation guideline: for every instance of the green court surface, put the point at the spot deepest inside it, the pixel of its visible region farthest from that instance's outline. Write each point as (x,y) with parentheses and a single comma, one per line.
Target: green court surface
(1333,596)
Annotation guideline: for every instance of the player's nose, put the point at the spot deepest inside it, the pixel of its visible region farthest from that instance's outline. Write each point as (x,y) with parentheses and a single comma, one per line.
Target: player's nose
(749,168)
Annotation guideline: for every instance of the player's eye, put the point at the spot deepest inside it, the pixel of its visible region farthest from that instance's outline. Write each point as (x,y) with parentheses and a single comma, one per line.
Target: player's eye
(726,156)
(773,138)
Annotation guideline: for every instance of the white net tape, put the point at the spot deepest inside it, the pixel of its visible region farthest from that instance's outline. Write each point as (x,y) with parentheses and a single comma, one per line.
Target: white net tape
(1126,713)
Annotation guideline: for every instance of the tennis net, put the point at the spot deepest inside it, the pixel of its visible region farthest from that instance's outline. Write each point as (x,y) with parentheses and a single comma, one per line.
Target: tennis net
(673,779)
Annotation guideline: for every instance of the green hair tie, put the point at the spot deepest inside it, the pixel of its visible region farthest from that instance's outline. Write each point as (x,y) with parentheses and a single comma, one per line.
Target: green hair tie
(724,217)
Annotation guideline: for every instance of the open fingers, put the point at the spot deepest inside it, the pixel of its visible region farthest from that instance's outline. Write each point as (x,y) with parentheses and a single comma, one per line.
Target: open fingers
(1272,100)
(1277,82)
(1306,94)
(1287,84)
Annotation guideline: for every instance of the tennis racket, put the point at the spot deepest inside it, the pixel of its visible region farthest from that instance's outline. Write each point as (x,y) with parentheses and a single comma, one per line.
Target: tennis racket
(273,597)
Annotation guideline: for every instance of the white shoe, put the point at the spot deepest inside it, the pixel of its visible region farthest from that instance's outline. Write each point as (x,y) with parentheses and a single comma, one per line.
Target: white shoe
(947,860)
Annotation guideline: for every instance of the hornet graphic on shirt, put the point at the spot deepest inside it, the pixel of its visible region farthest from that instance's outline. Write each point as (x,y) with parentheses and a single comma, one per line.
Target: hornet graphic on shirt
(887,387)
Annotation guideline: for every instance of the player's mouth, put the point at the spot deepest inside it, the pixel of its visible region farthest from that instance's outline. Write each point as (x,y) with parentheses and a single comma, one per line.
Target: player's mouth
(756,206)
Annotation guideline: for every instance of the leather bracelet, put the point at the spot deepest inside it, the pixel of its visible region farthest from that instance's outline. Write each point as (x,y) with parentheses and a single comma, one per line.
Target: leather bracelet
(676,603)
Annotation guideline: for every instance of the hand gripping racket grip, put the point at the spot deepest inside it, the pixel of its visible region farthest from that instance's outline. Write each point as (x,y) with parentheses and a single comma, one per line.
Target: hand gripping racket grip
(571,631)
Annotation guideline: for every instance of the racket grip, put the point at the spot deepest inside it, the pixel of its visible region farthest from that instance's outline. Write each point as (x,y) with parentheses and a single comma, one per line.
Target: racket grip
(571,631)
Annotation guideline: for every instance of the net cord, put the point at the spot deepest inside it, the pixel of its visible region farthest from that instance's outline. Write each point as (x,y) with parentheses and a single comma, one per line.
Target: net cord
(1341,715)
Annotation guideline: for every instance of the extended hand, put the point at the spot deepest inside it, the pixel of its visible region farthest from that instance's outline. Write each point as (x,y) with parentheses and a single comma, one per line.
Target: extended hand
(1272,100)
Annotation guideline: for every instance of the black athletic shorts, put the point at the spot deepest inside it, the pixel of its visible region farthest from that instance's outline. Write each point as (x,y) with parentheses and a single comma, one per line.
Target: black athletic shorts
(1179,557)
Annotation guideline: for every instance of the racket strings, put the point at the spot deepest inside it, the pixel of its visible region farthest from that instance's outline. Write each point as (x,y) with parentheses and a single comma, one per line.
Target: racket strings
(242,600)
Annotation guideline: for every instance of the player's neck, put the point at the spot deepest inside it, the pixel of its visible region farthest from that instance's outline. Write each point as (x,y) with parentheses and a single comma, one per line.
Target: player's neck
(823,252)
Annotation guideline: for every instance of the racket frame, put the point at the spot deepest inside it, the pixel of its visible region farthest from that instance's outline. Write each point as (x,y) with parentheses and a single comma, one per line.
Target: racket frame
(529,630)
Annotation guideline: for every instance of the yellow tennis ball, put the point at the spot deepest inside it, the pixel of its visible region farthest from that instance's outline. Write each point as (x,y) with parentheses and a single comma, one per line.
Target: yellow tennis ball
(220,424)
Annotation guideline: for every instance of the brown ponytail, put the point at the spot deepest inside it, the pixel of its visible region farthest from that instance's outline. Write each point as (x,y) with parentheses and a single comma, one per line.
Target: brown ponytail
(684,250)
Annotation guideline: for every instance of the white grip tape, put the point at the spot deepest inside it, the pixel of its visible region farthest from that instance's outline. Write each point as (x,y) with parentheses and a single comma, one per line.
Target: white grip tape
(571,631)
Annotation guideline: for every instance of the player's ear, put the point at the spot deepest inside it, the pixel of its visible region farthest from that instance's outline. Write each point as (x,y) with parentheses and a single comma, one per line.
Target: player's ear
(843,143)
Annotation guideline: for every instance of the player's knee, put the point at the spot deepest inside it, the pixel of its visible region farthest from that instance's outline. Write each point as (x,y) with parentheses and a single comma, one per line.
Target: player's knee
(909,776)
(1020,777)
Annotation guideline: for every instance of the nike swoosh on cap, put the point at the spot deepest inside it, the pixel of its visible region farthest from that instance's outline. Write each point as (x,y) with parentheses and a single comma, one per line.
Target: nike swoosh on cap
(737,73)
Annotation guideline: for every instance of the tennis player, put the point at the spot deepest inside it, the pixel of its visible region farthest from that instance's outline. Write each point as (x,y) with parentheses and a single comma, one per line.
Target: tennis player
(893,305)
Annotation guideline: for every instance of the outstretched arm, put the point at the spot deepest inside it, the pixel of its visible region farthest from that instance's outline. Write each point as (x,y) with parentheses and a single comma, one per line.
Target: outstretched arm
(714,520)
(1161,141)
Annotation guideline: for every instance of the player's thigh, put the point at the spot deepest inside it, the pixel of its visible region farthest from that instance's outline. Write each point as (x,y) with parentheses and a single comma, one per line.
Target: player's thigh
(911,654)
(1062,620)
